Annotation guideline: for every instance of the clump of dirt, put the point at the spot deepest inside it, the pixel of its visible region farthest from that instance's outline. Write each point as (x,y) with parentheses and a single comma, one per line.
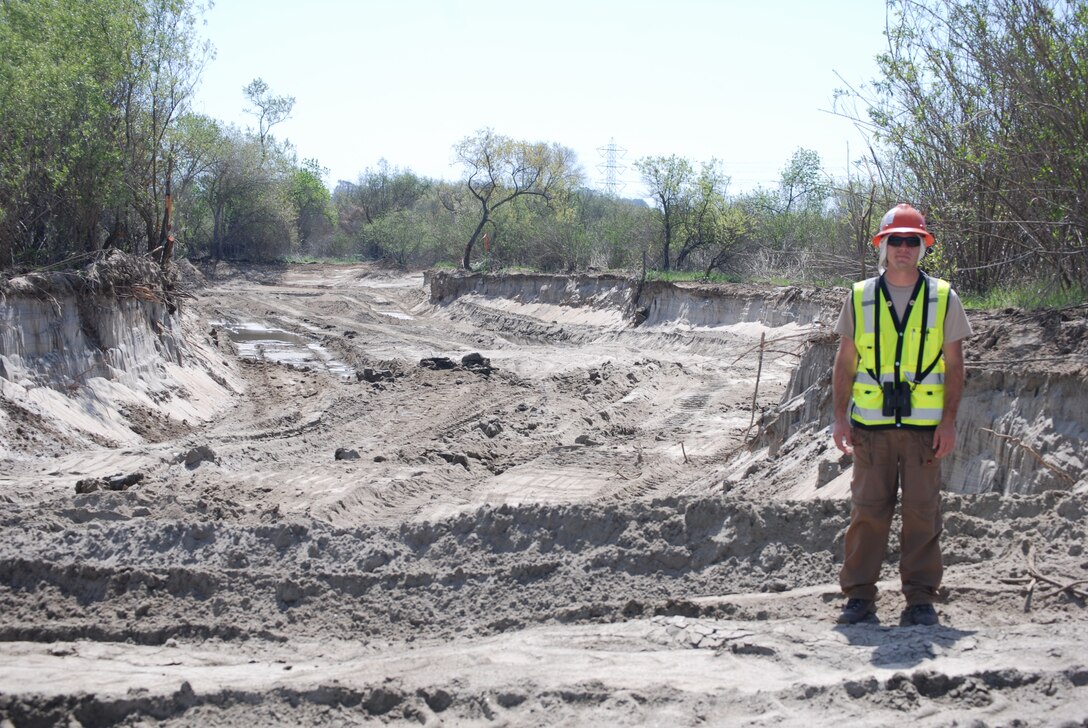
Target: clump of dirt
(1051,340)
(112,274)
(29,431)
(152,425)
(189,276)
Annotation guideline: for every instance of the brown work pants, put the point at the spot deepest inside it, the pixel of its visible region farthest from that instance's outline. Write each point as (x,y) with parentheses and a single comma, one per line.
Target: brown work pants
(886,461)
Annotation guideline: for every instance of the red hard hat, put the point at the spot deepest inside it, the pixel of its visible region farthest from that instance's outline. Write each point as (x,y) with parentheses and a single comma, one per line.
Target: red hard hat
(903,220)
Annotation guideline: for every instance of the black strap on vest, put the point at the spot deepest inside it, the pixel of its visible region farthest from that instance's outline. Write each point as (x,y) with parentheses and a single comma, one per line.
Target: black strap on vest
(900,326)
(876,330)
(918,375)
(920,372)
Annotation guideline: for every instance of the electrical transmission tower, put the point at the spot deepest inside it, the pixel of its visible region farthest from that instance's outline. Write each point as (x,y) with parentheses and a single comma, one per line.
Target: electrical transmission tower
(612,167)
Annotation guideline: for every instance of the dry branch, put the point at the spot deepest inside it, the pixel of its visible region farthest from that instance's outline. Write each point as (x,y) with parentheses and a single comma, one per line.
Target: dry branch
(139,292)
(1036,577)
(761,346)
(987,362)
(759,372)
(1016,440)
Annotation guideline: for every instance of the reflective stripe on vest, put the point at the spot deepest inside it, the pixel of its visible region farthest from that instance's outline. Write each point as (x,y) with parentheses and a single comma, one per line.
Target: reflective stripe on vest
(921,364)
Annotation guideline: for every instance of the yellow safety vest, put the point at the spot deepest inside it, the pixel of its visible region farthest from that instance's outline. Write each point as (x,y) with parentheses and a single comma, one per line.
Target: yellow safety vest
(896,351)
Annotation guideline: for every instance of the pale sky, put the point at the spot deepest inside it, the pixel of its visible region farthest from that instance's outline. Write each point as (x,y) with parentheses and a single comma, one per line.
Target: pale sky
(405,80)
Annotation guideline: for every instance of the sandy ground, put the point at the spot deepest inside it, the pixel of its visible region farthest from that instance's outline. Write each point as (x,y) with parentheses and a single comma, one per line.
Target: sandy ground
(555,539)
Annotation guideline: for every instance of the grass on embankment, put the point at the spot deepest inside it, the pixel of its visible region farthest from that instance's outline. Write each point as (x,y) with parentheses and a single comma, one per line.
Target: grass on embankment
(1031,296)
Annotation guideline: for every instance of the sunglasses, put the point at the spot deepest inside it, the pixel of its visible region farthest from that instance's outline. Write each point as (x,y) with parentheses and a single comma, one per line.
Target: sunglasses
(912,242)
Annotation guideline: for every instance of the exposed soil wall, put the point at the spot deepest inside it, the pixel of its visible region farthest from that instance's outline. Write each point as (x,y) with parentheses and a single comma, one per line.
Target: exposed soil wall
(652,303)
(1023,428)
(68,336)
(81,352)
(1023,424)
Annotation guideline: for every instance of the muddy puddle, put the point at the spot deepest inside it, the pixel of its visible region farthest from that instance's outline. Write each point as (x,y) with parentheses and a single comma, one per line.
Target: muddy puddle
(258,342)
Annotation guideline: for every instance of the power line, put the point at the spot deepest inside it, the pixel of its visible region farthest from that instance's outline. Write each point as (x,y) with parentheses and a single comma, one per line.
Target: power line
(612,167)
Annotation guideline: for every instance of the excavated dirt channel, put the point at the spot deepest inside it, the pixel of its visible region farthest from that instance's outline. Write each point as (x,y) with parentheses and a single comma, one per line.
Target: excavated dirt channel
(559,518)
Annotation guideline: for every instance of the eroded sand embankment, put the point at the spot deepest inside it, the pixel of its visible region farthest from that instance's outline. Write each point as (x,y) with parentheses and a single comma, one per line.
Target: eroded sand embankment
(1023,424)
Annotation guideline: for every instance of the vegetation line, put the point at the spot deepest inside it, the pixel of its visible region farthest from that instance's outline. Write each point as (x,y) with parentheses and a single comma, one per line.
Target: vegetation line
(976,117)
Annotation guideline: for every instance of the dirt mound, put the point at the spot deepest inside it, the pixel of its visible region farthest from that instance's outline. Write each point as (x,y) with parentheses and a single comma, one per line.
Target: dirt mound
(190,277)
(113,274)
(1053,341)
(745,584)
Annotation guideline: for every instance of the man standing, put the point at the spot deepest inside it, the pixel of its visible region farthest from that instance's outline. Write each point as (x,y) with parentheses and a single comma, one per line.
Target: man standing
(897,383)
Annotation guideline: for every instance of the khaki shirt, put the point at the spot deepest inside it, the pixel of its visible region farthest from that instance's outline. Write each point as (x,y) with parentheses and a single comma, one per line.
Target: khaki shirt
(956,325)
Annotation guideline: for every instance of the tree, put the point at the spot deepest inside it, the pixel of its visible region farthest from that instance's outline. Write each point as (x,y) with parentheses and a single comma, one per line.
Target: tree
(402,235)
(704,223)
(89,93)
(733,229)
(619,229)
(857,200)
(802,185)
(384,190)
(377,193)
(689,205)
(985,103)
(246,195)
(311,200)
(669,181)
(268,108)
(164,68)
(59,164)
(195,142)
(791,221)
(499,170)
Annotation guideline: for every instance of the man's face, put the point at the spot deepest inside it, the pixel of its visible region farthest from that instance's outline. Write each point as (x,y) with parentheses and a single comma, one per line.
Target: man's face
(903,252)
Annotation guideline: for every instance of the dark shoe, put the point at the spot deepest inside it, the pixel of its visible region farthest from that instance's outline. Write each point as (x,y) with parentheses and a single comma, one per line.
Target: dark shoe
(923,615)
(855,611)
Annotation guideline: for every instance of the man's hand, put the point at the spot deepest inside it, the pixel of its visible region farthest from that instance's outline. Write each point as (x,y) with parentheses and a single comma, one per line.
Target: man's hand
(944,439)
(842,380)
(844,439)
